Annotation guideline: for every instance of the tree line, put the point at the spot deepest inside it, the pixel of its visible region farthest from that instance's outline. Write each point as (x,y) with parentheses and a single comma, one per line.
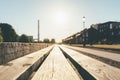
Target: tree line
(8,34)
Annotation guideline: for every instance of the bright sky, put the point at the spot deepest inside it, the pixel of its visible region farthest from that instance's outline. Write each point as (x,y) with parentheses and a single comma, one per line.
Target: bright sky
(58,18)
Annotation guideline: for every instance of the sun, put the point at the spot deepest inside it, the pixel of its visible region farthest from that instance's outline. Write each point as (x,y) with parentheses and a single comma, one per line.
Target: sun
(60,17)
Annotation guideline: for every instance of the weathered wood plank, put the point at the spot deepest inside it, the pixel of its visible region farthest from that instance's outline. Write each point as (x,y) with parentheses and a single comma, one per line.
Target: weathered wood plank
(98,69)
(56,67)
(15,68)
(104,54)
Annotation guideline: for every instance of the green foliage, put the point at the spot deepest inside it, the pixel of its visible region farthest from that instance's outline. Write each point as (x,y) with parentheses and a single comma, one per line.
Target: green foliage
(104,41)
(24,38)
(52,40)
(46,40)
(8,33)
(1,38)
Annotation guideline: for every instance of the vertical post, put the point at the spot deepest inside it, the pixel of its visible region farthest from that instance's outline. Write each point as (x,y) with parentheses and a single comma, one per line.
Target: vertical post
(38,32)
(84,35)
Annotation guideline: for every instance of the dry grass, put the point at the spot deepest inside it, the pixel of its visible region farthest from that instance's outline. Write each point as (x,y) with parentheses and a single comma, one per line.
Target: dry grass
(108,46)
(101,46)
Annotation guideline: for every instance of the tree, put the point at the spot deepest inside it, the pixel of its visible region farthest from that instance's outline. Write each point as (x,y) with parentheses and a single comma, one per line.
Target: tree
(24,38)
(46,40)
(1,38)
(8,33)
(52,40)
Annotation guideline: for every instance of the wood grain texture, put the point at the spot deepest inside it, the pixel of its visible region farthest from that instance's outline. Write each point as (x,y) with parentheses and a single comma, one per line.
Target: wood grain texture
(98,69)
(56,67)
(13,69)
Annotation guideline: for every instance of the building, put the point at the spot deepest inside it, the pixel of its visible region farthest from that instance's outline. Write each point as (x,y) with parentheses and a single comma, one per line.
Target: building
(31,38)
(103,33)
(110,31)
(76,38)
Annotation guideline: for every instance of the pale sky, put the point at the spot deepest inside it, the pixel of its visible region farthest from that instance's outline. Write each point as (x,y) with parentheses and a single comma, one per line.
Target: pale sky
(58,18)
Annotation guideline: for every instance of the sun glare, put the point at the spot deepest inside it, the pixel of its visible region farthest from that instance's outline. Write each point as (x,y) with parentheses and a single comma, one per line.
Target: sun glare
(60,17)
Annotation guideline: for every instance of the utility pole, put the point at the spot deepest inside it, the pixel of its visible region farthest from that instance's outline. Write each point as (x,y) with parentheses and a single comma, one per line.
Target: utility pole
(38,32)
(84,35)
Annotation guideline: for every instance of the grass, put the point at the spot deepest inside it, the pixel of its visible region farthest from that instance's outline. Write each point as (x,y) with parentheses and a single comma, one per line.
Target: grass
(108,46)
(117,46)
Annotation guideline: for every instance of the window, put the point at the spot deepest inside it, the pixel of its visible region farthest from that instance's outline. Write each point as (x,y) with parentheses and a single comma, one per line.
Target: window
(87,34)
(112,33)
(107,25)
(119,32)
(117,27)
(102,30)
(110,26)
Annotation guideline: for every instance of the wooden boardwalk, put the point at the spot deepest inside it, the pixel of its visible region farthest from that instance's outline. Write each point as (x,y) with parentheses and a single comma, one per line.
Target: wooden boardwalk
(15,68)
(98,69)
(56,67)
(58,64)
(104,54)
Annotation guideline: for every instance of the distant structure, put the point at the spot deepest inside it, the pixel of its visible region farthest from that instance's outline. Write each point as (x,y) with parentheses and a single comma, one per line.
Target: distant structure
(38,32)
(31,38)
(102,33)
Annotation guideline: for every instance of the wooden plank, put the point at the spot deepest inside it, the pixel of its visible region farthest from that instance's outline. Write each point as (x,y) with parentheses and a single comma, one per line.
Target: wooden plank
(104,54)
(99,70)
(15,68)
(56,67)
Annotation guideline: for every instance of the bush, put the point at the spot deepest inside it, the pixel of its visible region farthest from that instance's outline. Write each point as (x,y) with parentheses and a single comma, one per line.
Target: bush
(1,38)
(52,40)
(46,40)
(24,38)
